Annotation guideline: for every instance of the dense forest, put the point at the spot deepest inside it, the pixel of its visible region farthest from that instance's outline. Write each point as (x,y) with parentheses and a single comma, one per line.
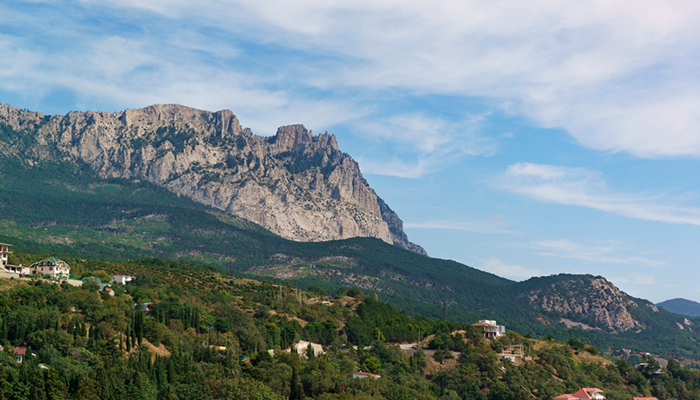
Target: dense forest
(186,331)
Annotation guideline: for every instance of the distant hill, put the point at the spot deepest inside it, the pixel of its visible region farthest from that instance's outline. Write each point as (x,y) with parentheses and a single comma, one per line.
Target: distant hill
(681,307)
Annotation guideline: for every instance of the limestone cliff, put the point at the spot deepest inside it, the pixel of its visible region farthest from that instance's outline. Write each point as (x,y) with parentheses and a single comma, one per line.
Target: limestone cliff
(295,184)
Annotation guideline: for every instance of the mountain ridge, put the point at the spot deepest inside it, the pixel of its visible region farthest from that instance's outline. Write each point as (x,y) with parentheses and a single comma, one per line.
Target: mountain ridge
(296,184)
(681,306)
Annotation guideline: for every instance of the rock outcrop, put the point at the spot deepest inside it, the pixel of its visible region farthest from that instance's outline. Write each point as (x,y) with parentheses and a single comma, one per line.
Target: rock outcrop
(590,299)
(295,184)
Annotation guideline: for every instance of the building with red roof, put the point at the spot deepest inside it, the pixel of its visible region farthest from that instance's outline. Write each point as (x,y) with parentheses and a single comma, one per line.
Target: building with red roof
(583,393)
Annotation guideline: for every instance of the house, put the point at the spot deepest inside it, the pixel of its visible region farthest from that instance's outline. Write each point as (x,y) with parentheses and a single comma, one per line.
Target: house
(4,254)
(122,279)
(363,375)
(491,329)
(18,269)
(20,353)
(583,393)
(50,266)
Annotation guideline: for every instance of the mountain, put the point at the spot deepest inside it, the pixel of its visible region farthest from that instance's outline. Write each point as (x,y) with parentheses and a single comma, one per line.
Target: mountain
(54,202)
(297,185)
(682,307)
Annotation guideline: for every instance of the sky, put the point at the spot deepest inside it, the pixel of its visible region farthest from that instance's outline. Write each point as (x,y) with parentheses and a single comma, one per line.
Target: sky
(520,138)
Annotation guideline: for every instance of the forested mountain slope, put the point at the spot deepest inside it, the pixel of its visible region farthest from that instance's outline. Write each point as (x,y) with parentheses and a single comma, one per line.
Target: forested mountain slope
(211,336)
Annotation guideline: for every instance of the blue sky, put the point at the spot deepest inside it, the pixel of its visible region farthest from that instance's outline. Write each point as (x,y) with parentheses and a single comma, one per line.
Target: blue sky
(524,139)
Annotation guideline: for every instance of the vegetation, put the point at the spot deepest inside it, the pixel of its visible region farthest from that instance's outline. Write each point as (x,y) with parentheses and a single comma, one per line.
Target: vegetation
(90,345)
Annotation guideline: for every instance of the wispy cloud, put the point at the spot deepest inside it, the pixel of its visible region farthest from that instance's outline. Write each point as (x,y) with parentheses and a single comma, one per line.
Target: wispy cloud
(636,279)
(426,135)
(494,224)
(586,188)
(396,167)
(608,253)
(433,141)
(500,268)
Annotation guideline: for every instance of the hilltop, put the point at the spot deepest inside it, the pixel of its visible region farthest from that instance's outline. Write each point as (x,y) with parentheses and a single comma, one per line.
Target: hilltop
(682,307)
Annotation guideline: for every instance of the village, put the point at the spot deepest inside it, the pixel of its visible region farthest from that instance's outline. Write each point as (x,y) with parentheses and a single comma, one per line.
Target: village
(58,271)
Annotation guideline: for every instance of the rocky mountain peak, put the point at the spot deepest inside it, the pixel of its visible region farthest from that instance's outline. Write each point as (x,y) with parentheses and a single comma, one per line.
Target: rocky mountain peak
(297,138)
(292,138)
(295,184)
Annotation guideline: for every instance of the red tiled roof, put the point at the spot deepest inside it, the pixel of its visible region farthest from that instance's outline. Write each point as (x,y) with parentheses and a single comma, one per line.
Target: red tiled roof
(581,393)
(367,373)
(20,352)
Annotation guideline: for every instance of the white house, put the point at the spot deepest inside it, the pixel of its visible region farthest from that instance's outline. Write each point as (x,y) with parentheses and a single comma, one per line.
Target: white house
(18,269)
(491,329)
(4,254)
(122,279)
(51,266)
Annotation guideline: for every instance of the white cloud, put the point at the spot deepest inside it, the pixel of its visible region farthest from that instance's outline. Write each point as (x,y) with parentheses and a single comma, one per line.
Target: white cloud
(427,135)
(585,188)
(494,224)
(608,253)
(396,167)
(498,267)
(636,279)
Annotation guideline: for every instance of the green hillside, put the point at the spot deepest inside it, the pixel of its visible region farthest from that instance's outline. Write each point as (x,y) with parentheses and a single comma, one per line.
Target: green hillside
(90,345)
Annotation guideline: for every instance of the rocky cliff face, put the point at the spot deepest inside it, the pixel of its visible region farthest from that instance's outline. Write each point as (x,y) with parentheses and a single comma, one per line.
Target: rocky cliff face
(295,184)
(594,299)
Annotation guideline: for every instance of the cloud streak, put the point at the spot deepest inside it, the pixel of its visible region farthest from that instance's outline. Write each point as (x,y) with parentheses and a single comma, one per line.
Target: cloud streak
(564,248)
(500,268)
(493,225)
(585,188)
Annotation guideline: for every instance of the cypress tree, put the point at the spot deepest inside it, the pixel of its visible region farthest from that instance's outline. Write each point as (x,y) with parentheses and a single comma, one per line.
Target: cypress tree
(294,389)
(139,330)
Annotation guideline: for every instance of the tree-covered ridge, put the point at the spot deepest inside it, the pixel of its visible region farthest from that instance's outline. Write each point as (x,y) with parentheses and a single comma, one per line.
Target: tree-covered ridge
(682,307)
(90,345)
